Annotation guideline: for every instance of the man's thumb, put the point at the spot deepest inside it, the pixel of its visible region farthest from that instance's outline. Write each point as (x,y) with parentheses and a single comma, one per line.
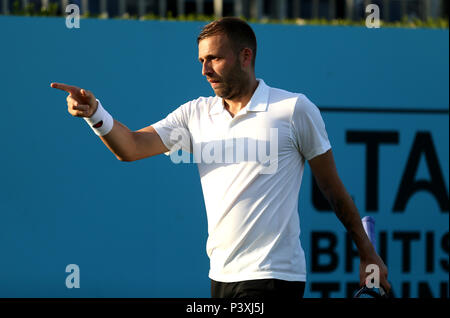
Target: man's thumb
(83,93)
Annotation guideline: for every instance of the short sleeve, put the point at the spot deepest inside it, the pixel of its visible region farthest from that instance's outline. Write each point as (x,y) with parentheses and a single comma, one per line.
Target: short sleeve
(308,129)
(174,130)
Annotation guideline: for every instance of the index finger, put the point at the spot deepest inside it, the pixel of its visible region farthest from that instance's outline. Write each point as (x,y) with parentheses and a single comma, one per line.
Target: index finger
(68,88)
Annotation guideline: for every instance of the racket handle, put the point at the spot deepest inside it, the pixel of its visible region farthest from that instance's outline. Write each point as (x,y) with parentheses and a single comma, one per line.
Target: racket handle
(368,223)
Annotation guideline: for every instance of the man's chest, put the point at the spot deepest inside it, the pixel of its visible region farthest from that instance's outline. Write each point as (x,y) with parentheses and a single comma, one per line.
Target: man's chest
(251,136)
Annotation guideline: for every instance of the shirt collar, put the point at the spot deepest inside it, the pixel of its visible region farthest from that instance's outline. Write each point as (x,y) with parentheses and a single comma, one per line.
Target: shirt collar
(258,102)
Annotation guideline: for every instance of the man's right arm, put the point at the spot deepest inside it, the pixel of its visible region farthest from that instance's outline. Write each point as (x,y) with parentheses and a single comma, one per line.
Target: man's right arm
(125,144)
(129,145)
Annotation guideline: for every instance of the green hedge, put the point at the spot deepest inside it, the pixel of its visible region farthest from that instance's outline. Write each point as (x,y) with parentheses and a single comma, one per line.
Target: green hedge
(53,8)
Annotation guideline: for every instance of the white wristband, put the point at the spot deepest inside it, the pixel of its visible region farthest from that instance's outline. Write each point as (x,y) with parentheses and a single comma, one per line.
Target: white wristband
(101,121)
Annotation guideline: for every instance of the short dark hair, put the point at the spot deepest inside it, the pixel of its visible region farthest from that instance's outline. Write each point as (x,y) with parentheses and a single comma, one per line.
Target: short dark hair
(237,30)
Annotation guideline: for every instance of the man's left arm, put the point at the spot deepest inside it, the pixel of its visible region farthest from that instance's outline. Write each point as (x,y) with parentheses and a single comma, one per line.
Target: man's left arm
(324,170)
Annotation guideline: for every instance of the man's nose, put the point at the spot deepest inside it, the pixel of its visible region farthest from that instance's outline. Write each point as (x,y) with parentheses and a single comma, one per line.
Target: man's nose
(206,68)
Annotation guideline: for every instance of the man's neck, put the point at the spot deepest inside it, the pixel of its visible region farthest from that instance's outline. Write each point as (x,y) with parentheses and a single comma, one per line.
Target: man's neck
(236,104)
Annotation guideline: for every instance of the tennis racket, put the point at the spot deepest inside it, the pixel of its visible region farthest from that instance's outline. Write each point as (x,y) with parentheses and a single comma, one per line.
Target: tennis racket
(366,292)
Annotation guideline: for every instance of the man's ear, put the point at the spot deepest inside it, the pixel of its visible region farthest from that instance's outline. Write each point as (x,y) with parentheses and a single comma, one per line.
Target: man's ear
(246,57)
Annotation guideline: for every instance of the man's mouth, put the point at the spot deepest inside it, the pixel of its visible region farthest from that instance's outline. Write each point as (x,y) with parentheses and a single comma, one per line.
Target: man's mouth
(214,83)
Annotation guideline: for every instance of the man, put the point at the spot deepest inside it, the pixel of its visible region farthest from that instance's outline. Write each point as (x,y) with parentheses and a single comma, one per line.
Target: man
(252,209)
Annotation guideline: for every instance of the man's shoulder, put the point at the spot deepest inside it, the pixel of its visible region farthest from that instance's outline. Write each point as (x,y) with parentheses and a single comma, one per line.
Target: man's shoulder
(204,99)
(201,103)
(298,100)
(297,103)
(194,108)
(280,93)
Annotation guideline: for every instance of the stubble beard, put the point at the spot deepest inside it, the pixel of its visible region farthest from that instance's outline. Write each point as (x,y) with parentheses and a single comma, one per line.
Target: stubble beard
(234,84)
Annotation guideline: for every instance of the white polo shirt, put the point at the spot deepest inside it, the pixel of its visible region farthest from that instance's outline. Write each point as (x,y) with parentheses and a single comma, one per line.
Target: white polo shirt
(251,169)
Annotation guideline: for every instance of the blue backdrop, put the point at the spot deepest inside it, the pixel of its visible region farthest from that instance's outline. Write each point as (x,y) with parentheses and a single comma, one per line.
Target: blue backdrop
(139,229)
